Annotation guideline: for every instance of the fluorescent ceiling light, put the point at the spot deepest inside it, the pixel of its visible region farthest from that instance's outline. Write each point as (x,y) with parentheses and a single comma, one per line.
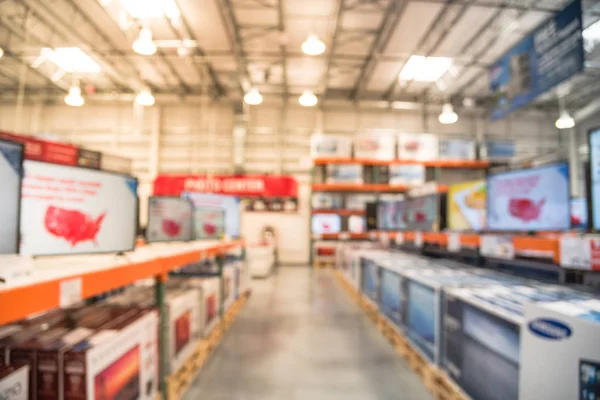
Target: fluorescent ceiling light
(145,98)
(308,99)
(253,97)
(1,52)
(74,98)
(591,36)
(313,46)
(425,69)
(565,121)
(71,59)
(151,9)
(144,44)
(448,116)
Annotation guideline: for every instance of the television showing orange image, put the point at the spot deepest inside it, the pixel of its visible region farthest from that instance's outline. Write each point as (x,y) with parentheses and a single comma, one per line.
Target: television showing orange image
(121,379)
(183,327)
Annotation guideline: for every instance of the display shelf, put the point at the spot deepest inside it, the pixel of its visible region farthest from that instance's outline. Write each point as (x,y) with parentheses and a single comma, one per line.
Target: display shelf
(470,164)
(367,187)
(341,236)
(342,212)
(27,299)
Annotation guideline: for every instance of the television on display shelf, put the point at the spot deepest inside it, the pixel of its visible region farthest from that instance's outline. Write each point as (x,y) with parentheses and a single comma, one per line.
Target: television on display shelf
(593,179)
(170,219)
(209,223)
(392,215)
(75,210)
(532,199)
(427,213)
(467,206)
(230,205)
(579,213)
(11,173)
(326,223)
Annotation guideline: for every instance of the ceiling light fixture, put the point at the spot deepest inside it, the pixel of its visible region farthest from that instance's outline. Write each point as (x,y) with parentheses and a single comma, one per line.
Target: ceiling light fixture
(1,52)
(253,97)
(71,59)
(74,98)
(591,36)
(448,116)
(144,44)
(313,46)
(308,99)
(145,98)
(425,69)
(565,121)
(148,9)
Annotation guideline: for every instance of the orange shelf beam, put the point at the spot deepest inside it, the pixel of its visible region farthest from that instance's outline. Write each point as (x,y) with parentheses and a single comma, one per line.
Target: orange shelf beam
(335,236)
(342,187)
(537,245)
(471,164)
(471,241)
(339,212)
(19,302)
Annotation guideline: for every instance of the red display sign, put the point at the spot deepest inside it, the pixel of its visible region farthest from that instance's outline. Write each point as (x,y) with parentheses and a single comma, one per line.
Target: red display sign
(242,186)
(42,150)
(595,254)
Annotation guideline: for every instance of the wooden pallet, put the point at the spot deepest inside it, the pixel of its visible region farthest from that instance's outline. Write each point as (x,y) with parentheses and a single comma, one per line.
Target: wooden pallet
(436,381)
(179,381)
(323,264)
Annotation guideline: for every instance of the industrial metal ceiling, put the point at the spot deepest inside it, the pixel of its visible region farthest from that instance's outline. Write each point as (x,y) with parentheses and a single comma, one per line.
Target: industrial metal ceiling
(232,45)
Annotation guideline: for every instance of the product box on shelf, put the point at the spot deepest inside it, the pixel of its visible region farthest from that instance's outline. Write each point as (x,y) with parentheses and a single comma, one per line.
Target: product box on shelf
(345,173)
(562,340)
(326,201)
(115,363)
(377,147)
(370,278)
(418,146)
(229,278)
(457,149)
(323,146)
(359,201)
(407,174)
(184,316)
(14,382)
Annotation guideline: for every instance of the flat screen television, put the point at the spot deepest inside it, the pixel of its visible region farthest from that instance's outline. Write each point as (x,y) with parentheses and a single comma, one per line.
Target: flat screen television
(426,213)
(170,219)
(579,213)
(74,210)
(467,206)
(533,199)
(594,178)
(11,173)
(209,223)
(326,223)
(229,204)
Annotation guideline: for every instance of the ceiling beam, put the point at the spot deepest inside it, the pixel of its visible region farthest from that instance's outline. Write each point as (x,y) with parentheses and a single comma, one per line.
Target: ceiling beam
(392,16)
(513,5)
(335,32)
(282,45)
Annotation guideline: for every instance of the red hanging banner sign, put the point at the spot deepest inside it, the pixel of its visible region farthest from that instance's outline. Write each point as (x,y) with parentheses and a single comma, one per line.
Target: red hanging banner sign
(43,150)
(242,186)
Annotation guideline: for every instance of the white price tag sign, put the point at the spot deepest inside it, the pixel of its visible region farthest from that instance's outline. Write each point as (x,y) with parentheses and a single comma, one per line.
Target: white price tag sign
(399,238)
(497,246)
(373,235)
(344,236)
(418,239)
(70,292)
(575,252)
(384,239)
(454,242)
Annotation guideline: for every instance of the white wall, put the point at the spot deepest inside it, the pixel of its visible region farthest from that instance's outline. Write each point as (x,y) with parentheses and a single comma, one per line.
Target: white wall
(197,138)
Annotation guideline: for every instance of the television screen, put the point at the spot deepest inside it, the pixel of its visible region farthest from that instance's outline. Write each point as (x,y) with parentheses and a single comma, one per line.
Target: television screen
(535,199)
(169,219)
(209,223)
(357,224)
(390,297)
(421,317)
(422,213)
(229,204)
(594,184)
(579,213)
(11,171)
(72,210)
(467,206)
(326,223)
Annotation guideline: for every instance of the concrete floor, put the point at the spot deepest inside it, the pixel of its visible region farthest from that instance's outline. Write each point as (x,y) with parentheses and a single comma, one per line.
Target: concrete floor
(300,337)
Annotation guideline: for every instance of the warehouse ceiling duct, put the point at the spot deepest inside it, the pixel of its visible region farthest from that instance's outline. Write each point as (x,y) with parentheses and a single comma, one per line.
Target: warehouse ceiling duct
(240,128)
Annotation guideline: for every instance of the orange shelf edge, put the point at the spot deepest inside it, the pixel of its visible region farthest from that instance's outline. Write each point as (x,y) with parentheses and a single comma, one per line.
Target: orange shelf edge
(19,302)
(474,164)
(342,212)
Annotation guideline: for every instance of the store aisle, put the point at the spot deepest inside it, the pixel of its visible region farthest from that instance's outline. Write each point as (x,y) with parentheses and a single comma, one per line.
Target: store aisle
(300,337)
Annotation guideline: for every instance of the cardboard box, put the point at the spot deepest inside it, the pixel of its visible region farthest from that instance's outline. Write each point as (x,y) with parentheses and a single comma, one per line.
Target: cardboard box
(184,317)
(14,382)
(120,362)
(229,272)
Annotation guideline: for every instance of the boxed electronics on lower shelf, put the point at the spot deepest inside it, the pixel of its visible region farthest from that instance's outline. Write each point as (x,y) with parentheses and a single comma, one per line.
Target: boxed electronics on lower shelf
(14,382)
(491,333)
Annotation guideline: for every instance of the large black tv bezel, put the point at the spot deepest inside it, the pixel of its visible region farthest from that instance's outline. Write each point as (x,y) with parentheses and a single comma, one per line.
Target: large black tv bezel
(136,213)
(488,197)
(21,147)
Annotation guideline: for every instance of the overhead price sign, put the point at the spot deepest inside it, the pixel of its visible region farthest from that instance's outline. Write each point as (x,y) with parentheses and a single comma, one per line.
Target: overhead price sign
(547,57)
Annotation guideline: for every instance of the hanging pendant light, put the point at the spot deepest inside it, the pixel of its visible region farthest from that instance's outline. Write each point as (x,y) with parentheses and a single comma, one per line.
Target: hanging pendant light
(565,121)
(74,98)
(448,116)
(253,97)
(313,46)
(1,52)
(145,98)
(308,99)
(144,44)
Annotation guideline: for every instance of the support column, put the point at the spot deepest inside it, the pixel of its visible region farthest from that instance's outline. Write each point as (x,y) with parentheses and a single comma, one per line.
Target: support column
(163,342)
(574,162)
(154,166)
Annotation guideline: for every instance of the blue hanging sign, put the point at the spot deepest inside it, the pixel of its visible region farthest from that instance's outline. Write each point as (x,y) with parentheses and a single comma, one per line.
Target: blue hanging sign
(548,56)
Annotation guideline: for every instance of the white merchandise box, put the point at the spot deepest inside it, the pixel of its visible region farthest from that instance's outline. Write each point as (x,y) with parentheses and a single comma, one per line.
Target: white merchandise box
(322,145)
(375,146)
(418,146)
